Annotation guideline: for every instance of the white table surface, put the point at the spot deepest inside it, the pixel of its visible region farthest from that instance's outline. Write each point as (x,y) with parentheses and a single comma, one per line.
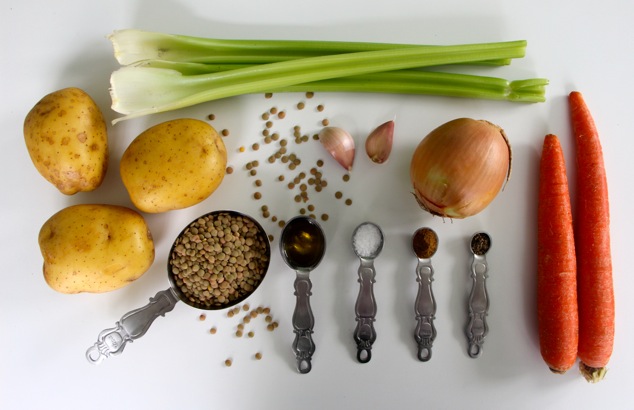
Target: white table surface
(579,45)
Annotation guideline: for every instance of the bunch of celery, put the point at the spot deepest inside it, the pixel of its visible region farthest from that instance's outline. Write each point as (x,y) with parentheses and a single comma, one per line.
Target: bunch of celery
(163,72)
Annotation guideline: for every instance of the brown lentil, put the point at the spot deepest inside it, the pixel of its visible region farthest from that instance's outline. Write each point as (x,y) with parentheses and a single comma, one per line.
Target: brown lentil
(257,195)
(310,94)
(266,132)
(258,356)
(348,201)
(268,95)
(338,194)
(211,117)
(281,115)
(346,177)
(213,330)
(269,124)
(300,105)
(325,122)
(229,170)
(265,116)
(268,319)
(270,327)
(225,132)
(320,107)
(246,319)
(271,238)
(275,136)
(253,172)
(218,259)
(258,182)
(281,178)
(202,317)
(266,310)
(238,333)
(228,362)
(324,217)
(273,110)
(255,146)
(251,334)
(311,207)
(246,307)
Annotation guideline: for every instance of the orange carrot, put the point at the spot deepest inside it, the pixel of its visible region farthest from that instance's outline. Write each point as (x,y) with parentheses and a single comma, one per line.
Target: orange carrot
(592,231)
(557,265)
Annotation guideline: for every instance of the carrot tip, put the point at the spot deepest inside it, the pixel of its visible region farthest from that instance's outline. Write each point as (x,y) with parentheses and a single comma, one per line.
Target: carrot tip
(592,374)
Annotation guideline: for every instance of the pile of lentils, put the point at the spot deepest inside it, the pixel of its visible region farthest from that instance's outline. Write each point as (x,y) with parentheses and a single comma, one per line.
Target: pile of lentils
(219,260)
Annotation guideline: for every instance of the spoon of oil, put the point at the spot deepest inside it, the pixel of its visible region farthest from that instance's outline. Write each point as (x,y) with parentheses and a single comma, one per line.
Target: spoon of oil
(303,245)
(367,243)
(425,244)
(477,327)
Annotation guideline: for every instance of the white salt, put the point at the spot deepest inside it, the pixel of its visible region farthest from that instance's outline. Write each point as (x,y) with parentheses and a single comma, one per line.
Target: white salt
(367,240)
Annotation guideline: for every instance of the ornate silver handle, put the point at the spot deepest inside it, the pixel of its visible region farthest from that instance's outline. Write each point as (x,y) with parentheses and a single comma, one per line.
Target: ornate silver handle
(132,326)
(477,327)
(303,322)
(365,309)
(425,309)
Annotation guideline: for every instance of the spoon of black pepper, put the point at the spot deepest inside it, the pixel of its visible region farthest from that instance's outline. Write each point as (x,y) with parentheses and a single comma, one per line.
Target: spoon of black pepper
(303,245)
(477,327)
(367,243)
(425,244)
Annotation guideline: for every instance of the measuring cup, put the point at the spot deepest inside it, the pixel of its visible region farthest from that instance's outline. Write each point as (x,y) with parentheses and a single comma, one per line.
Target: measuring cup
(477,327)
(303,245)
(425,244)
(135,323)
(367,243)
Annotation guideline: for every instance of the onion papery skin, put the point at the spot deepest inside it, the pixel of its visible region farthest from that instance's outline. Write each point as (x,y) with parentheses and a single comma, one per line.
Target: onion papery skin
(460,167)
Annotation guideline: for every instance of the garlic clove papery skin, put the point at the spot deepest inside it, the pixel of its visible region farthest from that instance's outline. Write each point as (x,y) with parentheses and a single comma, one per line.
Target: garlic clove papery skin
(340,144)
(378,145)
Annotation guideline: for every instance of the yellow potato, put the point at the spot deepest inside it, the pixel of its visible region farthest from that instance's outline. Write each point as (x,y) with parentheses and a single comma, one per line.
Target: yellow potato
(95,248)
(173,165)
(66,136)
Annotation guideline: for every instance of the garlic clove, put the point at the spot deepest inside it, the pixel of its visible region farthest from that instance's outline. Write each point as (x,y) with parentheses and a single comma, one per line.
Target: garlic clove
(340,144)
(378,145)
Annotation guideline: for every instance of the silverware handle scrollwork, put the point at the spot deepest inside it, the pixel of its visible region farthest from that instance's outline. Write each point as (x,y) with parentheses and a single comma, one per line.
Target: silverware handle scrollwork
(477,328)
(425,309)
(132,325)
(365,309)
(303,322)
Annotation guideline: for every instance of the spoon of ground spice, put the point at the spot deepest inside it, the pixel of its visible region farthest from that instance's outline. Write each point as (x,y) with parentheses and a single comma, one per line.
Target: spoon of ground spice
(425,244)
(303,245)
(477,327)
(367,243)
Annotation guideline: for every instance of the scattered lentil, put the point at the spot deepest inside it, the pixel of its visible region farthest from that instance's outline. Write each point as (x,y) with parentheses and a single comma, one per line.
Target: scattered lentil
(324,217)
(251,334)
(268,319)
(346,177)
(211,117)
(320,107)
(213,330)
(266,310)
(325,122)
(270,327)
(338,194)
(202,317)
(258,356)
(255,146)
(309,94)
(268,124)
(228,362)
(348,201)
(246,307)
(253,172)
(238,333)
(281,115)
(300,105)
(257,195)
(273,110)
(275,136)
(225,132)
(268,95)
(258,182)
(229,170)
(265,116)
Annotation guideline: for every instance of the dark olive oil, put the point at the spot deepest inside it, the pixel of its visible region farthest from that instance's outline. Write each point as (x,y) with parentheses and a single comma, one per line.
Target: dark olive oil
(303,243)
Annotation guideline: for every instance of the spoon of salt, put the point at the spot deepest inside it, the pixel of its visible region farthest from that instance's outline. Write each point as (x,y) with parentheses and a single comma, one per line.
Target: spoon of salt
(367,242)
(477,327)
(425,244)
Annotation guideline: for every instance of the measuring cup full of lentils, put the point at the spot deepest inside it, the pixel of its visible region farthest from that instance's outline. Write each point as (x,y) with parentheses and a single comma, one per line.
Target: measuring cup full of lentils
(217,261)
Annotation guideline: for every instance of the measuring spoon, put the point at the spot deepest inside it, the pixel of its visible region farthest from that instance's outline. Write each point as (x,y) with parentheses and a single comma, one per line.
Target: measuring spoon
(477,327)
(367,242)
(136,323)
(425,244)
(303,245)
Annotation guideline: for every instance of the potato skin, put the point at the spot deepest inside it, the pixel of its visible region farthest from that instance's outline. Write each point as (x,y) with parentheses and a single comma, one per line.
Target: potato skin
(67,140)
(173,165)
(95,248)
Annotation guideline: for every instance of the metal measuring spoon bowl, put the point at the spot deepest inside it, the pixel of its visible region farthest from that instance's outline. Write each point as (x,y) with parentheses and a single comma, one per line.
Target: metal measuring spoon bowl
(193,252)
(367,243)
(303,245)
(477,328)
(425,244)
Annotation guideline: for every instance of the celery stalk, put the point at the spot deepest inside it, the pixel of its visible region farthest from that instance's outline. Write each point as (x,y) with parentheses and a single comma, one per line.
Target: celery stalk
(397,82)
(137,90)
(132,46)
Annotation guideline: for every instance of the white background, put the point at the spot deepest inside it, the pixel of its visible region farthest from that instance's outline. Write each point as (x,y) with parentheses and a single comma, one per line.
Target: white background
(578,45)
